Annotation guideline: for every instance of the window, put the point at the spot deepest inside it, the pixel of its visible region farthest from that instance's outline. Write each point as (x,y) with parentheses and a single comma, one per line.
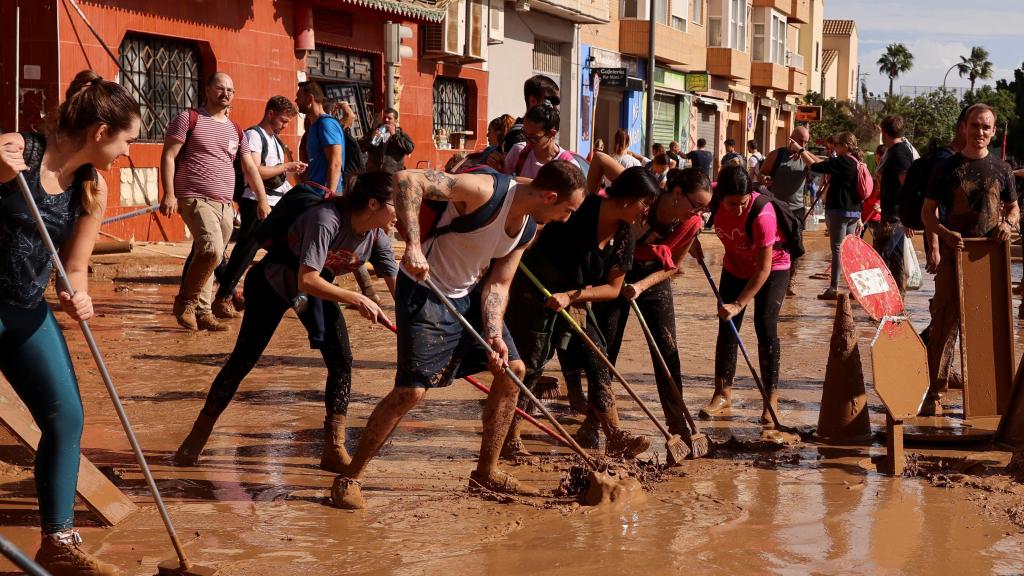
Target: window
(678,23)
(168,73)
(451,104)
(631,8)
(769,36)
(661,12)
(697,12)
(817,56)
(345,76)
(679,9)
(727,24)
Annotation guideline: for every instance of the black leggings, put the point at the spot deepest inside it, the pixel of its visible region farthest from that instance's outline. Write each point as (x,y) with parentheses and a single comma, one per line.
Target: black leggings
(767,304)
(263,312)
(244,251)
(657,307)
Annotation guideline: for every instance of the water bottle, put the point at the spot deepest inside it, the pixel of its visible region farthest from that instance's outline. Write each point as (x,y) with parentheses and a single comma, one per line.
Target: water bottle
(380,136)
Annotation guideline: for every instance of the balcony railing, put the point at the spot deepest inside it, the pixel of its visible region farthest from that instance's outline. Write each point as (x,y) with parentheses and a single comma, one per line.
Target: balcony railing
(795,60)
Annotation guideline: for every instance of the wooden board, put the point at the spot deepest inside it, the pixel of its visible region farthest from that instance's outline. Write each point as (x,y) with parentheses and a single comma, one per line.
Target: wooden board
(98,493)
(1011,425)
(899,364)
(986,326)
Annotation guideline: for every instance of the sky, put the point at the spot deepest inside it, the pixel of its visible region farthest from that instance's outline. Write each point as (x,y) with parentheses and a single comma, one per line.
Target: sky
(937,33)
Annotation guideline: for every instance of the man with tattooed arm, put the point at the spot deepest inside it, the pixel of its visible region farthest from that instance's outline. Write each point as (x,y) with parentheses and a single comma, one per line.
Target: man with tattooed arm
(486,222)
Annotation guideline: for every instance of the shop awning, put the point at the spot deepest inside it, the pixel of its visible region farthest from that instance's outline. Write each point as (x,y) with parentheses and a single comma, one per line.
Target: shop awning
(430,10)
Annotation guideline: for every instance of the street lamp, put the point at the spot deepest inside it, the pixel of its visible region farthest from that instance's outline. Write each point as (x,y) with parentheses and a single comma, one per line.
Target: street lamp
(947,74)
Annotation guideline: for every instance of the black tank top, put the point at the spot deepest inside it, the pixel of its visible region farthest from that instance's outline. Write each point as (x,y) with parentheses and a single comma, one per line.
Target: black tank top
(24,260)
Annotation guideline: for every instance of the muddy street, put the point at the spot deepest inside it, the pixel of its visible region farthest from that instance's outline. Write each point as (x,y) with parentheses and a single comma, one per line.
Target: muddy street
(258,503)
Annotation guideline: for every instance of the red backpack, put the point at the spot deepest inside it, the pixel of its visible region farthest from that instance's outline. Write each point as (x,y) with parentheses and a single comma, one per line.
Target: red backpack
(865,184)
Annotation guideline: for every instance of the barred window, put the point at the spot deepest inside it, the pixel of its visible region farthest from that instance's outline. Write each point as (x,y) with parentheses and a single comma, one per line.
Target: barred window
(168,73)
(451,104)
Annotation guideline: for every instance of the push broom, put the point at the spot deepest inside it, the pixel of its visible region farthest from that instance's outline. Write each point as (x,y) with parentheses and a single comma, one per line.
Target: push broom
(674,446)
(698,442)
(183,567)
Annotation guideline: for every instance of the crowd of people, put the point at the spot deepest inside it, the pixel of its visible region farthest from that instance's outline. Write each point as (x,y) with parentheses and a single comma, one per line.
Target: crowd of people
(477,238)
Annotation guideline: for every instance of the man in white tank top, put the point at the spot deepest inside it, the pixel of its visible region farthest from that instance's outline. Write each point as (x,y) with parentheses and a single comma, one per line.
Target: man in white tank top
(433,348)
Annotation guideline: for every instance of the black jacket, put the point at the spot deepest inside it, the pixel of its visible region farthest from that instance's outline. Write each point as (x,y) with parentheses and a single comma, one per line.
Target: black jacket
(389,156)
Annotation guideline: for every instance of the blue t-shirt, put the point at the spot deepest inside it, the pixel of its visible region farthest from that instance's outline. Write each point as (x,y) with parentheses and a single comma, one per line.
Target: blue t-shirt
(326,131)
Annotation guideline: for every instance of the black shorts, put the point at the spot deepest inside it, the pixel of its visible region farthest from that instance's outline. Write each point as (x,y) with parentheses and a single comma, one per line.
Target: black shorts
(433,347)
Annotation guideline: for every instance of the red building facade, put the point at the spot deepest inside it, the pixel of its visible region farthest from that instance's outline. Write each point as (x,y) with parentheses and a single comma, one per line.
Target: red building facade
(266,46)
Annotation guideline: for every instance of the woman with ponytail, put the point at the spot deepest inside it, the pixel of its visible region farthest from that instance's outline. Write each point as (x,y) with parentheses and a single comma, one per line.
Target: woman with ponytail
(540,128)
(329,239)
(88,132)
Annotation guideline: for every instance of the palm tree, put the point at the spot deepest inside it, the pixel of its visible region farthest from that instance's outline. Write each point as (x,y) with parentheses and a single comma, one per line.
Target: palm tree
(895,61)
(975,66)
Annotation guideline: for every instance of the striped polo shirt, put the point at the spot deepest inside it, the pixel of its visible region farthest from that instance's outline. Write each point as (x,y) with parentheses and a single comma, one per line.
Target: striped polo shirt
(204,167)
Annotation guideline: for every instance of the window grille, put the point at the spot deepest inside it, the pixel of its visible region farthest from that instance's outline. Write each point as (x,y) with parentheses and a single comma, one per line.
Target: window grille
(169,74)
(451,104)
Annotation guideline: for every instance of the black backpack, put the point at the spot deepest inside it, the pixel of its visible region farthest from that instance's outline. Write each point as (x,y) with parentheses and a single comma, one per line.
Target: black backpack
(269,184)
(355,164)
(792,239)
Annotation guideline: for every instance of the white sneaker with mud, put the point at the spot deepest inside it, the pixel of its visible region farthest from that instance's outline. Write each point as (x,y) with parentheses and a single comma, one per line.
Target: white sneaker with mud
(62,555)
(345,494)
(501,482)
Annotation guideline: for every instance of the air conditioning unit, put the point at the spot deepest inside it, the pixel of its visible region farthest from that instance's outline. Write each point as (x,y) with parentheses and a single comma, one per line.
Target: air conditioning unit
(449,37)
(496,29)
(479,17)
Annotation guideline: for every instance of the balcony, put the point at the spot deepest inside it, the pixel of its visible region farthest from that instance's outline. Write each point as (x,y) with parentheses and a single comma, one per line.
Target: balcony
(671,45)
(797,81)
(801,12)
(729,63)
(578,11)
(783,6)
(770,75)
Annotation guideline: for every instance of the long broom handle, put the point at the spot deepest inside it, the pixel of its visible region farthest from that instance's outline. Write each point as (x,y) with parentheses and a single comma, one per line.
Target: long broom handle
(512,375)
(483,388)
(63,283)
(676,394)
(739,340)
(597,351)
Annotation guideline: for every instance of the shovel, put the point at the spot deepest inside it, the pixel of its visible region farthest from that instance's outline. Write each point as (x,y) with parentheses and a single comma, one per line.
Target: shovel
(674,445)
(750,365)
(183,567)
(698,442)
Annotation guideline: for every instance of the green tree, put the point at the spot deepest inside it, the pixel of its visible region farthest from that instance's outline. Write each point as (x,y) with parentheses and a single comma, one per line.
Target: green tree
(836,116)
(932,118)
(976,66)
(1015,139)
(894,61)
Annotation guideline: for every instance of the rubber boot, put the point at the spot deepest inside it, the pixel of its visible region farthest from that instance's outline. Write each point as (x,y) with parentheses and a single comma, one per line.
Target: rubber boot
(513,447)
(769,357)
(619,442)
(207,321)
(61,554)
(932,405)
(721,400)
(190,449)
(335,458)
(574,386)
(346,494)
(185,313)
(366,284)
(225,308)
(587,435)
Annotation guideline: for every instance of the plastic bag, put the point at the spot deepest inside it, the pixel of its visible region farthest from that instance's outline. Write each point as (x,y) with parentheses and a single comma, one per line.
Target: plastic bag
(913,267)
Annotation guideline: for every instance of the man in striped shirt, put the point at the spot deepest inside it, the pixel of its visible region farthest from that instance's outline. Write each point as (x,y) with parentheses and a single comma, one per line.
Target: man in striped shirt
(198,177)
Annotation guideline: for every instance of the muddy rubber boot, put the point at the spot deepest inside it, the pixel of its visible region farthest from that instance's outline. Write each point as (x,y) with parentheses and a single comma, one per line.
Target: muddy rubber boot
(502,482)
(209,322)
(335,458)
(721,401)
(588,435)
(766,417)
(577,399)
(932,405)
(619,442)
(366,284)
(225,308)
(62,555)
(791,289)
(513,447)
(190,449)
(185,313)
(346,494)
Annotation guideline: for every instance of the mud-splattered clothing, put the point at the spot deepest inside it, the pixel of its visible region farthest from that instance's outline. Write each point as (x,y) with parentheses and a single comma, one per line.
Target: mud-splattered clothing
(971,193)
(767,304)
(740,250)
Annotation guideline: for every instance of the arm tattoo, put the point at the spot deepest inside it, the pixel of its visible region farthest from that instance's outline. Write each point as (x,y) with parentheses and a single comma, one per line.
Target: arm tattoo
(440,185)
(407,206)
(494,307)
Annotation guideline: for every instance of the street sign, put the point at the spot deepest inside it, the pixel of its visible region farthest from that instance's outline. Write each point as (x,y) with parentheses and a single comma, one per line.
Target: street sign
(899,363)
(869,279)
(612,76)
(697,82)
(808,113)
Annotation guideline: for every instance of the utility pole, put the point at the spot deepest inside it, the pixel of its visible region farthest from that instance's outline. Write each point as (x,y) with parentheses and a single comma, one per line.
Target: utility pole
(649,127)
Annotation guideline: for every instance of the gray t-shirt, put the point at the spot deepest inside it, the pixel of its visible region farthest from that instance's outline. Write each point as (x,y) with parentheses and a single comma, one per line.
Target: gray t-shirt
(323,238)
(789,179)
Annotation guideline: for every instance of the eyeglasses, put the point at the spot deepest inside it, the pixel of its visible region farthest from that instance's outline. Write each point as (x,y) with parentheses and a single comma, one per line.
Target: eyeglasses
(536,138)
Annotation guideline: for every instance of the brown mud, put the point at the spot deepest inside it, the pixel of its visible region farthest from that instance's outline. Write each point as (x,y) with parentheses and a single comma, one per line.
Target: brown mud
(258,503)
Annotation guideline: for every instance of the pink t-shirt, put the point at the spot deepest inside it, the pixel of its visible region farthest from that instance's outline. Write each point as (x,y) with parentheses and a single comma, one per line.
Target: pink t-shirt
(204,167)
(531,166)
(741,251)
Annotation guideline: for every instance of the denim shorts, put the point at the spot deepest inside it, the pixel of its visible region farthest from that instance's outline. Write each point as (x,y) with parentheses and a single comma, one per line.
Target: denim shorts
(433,347)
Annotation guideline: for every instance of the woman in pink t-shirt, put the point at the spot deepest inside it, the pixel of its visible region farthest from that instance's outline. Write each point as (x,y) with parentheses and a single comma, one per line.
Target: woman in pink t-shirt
(540,126)
(754,269)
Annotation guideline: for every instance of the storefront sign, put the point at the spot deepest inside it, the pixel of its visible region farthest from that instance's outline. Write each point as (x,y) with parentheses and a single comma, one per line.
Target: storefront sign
(697,82)
(612,76)
(670,79)
(808,113)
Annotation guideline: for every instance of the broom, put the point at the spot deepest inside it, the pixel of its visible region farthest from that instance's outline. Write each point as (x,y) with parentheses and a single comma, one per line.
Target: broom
(698,442)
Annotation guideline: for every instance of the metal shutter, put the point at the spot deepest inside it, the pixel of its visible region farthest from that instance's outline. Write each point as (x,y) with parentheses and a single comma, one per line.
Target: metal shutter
(666,111)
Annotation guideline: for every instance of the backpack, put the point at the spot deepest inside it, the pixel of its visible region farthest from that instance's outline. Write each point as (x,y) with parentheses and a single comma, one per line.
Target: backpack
(781,156)
(911,195)
(865,184)
(792,239)
(431,211)
(193,120)
(355,164)
(269,184)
